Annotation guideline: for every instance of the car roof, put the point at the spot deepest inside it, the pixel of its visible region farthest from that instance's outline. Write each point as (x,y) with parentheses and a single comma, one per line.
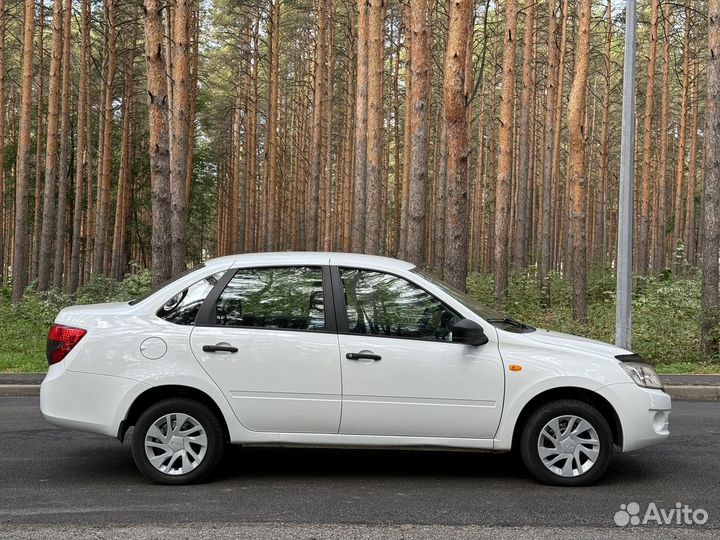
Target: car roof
(311,257)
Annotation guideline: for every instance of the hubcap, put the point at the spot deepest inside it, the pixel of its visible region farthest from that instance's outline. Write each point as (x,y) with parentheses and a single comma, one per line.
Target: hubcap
(175,444)
(568,445)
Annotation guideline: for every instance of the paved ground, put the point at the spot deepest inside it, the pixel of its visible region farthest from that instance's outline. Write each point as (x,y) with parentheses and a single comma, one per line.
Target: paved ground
(58,483)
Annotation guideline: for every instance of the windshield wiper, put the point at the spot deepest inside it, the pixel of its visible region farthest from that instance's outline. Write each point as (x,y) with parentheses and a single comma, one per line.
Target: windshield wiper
(512,322)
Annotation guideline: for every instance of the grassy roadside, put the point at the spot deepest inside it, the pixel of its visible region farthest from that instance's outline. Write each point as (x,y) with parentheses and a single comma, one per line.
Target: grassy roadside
(665,318)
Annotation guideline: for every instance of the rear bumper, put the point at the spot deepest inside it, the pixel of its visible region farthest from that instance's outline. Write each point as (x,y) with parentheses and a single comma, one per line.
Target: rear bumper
(643,413)
(87,401)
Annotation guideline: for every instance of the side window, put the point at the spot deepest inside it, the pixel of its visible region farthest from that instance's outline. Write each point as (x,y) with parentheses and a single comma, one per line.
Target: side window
(283,297)
(184,306)
(386,305)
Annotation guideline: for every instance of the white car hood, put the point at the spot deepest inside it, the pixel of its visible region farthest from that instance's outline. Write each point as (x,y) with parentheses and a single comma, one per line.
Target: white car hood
(569,341)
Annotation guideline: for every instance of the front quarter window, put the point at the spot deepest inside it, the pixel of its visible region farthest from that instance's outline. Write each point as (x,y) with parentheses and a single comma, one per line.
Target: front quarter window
(184,306)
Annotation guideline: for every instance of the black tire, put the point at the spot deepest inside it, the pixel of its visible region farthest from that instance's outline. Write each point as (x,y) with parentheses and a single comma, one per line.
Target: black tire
(207,420)
(529,442)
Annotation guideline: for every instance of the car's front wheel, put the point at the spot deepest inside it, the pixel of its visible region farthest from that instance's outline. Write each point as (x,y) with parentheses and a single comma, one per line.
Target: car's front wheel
(177,441)
(566,443)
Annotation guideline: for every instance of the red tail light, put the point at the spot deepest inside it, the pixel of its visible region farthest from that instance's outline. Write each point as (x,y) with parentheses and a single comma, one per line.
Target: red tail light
(61,340)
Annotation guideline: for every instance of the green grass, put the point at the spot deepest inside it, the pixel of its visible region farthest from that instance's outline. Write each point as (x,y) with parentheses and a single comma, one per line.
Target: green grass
(666,315)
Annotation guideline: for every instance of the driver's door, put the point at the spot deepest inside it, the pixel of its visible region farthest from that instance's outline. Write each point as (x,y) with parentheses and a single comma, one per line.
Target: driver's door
(401,373)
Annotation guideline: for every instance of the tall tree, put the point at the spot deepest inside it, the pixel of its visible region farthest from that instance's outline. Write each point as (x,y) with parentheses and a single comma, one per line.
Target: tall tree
(662,177)
(159,140)
(520,241)
(105,166)
(361,126)
(2,141)
(645,182)
(711,198)
(81,148)
(272,140)
(181,130)
(455,101)
(551,102)
(419,124)
(577,181)
(319,99)
(51,150)
(374,242)
(503,193)
(65,148)
(20,249)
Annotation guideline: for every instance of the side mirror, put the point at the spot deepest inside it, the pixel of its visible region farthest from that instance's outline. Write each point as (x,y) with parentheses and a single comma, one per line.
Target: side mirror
(469,332)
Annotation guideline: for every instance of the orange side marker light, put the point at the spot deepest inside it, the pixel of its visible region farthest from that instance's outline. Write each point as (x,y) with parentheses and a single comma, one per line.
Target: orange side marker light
(515,367)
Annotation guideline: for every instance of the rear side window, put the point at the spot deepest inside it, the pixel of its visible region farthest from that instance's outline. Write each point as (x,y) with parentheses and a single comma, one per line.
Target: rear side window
(283,298)
(184,306)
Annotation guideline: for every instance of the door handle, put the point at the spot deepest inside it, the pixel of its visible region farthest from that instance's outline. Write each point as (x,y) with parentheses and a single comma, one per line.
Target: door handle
(363,355)
(219,348)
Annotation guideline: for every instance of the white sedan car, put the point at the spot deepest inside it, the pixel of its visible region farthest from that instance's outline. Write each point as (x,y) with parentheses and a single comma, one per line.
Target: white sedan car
(331,349)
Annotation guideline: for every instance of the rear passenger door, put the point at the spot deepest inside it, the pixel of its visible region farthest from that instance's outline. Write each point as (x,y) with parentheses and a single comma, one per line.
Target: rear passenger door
(267,338)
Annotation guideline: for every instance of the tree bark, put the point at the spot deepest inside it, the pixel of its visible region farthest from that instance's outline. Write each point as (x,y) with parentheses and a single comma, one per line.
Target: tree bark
(419,124)
(361,132)
(505,154)
(20,249)
(522,211)
(272,140)
(159,141)
(577,181)
(317,117)
(65,142)
(645,182)
(51,150)
(551,101)
(181,129)
(455,102)
(82,148)
(711,198)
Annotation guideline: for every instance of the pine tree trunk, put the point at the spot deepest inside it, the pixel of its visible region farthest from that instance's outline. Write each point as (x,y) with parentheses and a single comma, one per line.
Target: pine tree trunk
(577,181)
(645,182)
(51,150)
(689,238)
(662,176)
(159,141)
(374,242)
(82,148)
(2,143)
(601,243)
(419,120)
(103,191)
(65,142)
(37,215)
(682,138)
(181,129)
(317,117)
(361,132)
(524,146)
(20,250)
(711,198)
(272,142)
(505,153)
(455,101)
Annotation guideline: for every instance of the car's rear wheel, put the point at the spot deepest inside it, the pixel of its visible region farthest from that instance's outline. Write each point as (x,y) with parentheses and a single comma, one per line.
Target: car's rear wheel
(566,443)
(177,441)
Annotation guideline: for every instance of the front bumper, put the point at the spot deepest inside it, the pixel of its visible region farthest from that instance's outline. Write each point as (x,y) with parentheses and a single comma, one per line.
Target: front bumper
(644,413)
(87,401)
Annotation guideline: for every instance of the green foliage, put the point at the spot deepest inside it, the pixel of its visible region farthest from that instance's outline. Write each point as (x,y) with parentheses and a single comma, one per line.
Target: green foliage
(666,313)
(23,329)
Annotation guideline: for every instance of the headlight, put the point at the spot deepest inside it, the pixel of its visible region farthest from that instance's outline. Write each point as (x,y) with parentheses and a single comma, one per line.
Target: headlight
(643,374)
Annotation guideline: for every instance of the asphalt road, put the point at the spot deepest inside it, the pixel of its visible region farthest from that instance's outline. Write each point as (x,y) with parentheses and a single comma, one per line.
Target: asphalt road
(68,483)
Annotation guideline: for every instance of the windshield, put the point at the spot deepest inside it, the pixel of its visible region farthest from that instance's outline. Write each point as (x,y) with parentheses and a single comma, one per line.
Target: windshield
(495,318)
(156,288)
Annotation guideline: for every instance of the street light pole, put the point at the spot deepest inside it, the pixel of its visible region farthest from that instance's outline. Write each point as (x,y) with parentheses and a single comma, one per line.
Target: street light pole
(623,313)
